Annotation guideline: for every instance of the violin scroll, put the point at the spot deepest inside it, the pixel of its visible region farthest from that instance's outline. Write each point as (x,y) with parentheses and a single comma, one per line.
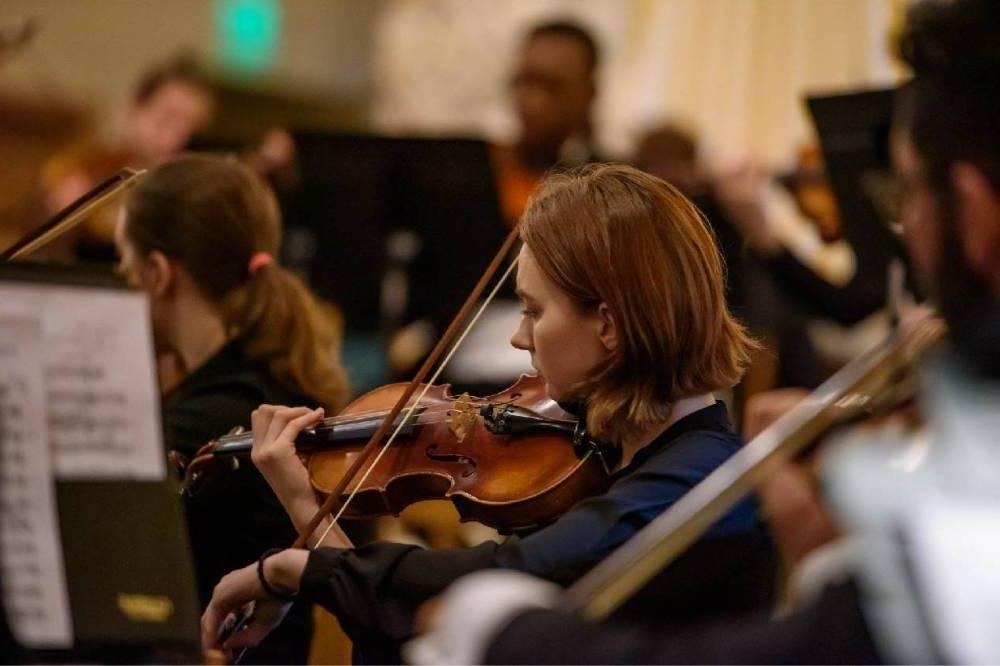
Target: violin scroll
(208,462)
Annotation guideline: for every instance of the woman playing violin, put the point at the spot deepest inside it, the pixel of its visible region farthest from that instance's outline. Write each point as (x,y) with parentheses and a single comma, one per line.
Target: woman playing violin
(625,318)
(199,236)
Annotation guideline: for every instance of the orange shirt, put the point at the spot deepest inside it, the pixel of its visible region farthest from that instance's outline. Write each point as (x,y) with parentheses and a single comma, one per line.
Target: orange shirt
(515,182)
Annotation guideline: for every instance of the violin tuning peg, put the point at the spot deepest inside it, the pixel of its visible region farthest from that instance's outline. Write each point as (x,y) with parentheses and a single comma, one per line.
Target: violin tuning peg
(235,464)
(179,462)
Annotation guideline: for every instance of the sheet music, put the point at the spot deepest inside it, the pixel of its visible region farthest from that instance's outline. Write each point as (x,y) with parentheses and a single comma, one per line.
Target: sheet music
(101,402)
(34,583)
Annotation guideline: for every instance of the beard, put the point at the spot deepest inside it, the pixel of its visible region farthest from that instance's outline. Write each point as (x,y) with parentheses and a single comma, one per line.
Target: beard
(962,295)
(965,300)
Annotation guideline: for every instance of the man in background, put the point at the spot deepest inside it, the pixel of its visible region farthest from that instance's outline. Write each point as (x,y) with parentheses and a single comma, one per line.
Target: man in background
(553,89)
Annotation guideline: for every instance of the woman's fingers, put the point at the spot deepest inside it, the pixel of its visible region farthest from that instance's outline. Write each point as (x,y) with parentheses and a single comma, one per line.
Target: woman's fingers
(260,418)
(300,423)
(280,418)
(269,422)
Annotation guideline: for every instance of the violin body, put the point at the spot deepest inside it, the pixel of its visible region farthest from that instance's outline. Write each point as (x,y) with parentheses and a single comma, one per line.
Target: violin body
(513,460)
(505,481)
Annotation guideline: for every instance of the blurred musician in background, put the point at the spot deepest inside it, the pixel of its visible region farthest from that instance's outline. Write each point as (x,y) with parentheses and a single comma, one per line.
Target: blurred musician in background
(171,103)
(748,210)
(200,235)
(671,152)
(916,580)
(553,89)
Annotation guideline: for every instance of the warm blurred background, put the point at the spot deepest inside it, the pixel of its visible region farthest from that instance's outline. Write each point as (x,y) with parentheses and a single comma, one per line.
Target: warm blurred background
(440,66)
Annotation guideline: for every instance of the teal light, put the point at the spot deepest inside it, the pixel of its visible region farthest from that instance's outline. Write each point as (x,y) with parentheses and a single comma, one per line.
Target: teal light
(248,33)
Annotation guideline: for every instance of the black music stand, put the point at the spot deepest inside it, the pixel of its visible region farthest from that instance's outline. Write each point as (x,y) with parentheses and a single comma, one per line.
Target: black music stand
(853,130)
(358,189)
(127,561)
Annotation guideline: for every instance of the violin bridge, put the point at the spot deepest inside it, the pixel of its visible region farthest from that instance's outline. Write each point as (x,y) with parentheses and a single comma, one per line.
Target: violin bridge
(462,417)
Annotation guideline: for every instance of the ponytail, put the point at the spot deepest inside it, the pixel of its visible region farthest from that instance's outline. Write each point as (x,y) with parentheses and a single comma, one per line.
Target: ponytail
(191,207)
(285,326)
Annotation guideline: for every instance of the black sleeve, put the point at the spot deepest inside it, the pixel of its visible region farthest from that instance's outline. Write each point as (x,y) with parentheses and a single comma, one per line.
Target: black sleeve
(375,590)
(832,631)
(847,305)
(236,516)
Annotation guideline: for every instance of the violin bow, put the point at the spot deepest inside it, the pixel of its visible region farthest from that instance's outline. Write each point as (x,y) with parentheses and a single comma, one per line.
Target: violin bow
(850,392)
(333,504)
(73,214)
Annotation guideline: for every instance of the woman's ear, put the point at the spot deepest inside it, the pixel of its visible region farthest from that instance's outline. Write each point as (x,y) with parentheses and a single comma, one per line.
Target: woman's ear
(159,274)
(608,332)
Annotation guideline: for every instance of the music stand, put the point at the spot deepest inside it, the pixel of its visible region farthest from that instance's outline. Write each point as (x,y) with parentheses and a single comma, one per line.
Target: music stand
(853,130)
(128,573)
(358,189)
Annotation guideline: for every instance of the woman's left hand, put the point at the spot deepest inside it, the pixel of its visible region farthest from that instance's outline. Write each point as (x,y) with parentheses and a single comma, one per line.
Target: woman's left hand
(275,429)
(239,588)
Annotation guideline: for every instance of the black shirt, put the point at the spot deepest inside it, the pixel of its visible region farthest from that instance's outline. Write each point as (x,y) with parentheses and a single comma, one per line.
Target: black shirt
(236,516)
(375,590)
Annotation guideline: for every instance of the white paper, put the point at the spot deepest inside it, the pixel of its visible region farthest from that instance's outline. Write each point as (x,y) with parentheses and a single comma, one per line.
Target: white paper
(101,401)
(34,582)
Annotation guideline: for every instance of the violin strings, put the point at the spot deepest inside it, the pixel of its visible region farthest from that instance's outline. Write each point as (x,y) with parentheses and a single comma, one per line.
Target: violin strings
(427,386)
(425,418)
(356,416)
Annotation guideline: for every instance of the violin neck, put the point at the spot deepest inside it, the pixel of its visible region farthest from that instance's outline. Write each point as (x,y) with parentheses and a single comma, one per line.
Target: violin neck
(324,436)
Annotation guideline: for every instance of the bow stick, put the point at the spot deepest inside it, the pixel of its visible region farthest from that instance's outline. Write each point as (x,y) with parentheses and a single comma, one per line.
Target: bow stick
(73,214)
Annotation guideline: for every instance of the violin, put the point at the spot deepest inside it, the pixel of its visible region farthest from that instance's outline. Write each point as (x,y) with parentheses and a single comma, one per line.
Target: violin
(513,460)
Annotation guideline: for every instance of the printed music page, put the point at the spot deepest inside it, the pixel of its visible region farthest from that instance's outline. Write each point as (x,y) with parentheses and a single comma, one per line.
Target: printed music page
(33,579)
(100,396)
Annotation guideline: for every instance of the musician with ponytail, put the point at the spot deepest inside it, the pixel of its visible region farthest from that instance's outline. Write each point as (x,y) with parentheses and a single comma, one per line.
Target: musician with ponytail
(200,235)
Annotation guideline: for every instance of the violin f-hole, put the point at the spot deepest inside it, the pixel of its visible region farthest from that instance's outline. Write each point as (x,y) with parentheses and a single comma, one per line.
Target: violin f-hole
(470,464)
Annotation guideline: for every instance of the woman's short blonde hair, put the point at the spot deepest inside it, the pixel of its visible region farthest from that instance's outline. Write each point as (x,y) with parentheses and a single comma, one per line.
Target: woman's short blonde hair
(615,235)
